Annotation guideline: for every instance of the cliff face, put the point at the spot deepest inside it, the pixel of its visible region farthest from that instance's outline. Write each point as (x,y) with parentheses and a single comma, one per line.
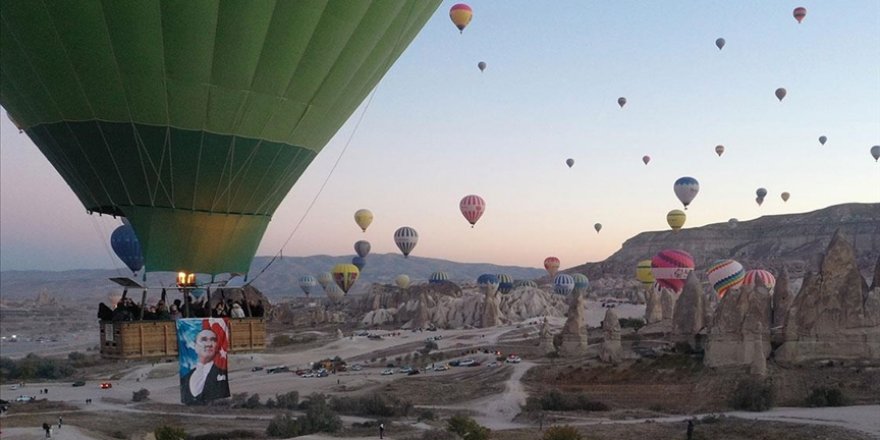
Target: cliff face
(795,241)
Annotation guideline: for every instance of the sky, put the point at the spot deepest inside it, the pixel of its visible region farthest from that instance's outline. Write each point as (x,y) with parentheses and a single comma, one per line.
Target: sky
(436,129)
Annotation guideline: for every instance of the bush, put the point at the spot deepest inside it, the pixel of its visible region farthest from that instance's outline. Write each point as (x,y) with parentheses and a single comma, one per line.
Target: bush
(466,427)
(237,434)
(437,434)
(35,367)
(252,402)
(140,395)
(288,400)
(562,433)
(427,414)
(634,323)
(282,425)
(376,405)
(752,395)
(556,401)
(826,396)
(165,432)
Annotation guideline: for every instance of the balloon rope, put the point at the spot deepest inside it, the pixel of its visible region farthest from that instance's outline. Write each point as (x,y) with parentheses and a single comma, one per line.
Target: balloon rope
(102,237)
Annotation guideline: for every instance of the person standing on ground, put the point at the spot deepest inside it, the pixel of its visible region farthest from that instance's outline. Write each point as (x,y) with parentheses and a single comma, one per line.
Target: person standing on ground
(59,422)
(690,430)
(381,430)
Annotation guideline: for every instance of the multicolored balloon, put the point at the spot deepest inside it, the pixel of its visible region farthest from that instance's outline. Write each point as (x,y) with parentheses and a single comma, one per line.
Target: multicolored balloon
(438,278)
(799,13)
(569,162)
(621,101)
(563,284)
(676,219)
(646,159)
(362,248)
(359,262)
(406,239)
(875,152)
(581,282)
(505,283)
(720,43)
(686,188)
(725,275)
(785,196)
(644,274)
(766,278)
(671,267)
(307,283)
(780,93)
(472,208)
(481,65)
(345,275)
(823,139)
(719,150)
(402,281)
(126,246)
(552,265)
(461,15)
(363,218)
(597,227)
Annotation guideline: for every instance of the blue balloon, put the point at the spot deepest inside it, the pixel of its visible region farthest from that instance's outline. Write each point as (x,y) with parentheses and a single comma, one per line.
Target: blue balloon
(563,284)
(487,278)
(127,247)
(360,262)
(505,283)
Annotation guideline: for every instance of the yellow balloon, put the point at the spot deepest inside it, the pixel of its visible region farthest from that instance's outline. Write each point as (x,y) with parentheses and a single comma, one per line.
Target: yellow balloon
(345,275)
(644,274)
(676,219)
(363,218)
(402,281)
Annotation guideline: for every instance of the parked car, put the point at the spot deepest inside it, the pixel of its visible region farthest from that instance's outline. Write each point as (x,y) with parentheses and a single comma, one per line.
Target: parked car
(24,399)
(106,385)
(356,367)
(323,373)
(404,370)
(440,368)
(513,359)
(413,372)
(493,364)
(309,374)
(258,368)
(387,372)
(278,369)
(465,363)
(79,383)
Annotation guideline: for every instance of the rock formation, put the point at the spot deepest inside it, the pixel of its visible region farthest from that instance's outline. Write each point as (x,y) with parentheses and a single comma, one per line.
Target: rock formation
(610,350)
(574,332)
(545,338)
(782,299)
(740,330)
(491,313)
(339,334)
(687,319)
(759,363)
(667,302)
(875,283)
(653,309)
(834,316)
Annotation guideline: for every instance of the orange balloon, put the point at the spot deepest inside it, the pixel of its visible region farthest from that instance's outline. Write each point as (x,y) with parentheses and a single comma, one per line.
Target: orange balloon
(461,14)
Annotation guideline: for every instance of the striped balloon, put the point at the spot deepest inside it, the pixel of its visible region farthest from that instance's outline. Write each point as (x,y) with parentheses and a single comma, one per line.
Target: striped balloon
(643,273)
(563,284)
(325,279)
(345,275)
(461,15)
(725,275)
(581,282)
(307,283)
(505,283)
(525,283)
(488,283)
(686,188)
(406,238)
(766,277)
(552,265)
(472,208)
(438,278)
(671,267)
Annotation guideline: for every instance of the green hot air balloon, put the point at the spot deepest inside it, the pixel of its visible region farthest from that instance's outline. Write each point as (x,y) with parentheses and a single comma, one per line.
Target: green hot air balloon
(193,119)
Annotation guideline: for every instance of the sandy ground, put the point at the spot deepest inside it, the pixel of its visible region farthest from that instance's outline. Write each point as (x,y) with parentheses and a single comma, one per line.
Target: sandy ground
(65,433)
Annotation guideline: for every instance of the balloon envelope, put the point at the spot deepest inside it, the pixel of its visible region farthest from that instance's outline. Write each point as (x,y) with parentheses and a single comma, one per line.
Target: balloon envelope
(402,281)
(581,282)
(363,218)
(676,219)
(732,223)
(151,101)
(725,275)
(785,196)
(525,283)
(766,278)
(481,65)
(597,227)
(505,283)
(406,238)
(875,152)
(307,283)
(359,262)
(461,15)
(345,275)
(552,265)
(671,267)
(646,159)
(563,284)
(438,278)
(761,192)
(362,248)
(488,283)
(325,279)
(125,244)
(799,13)
(686,188)
(720,43)
(569,162)
(644,274)
(719,150)
(823,139)
(472,208)
(780,93)
(621,101)
(759,200)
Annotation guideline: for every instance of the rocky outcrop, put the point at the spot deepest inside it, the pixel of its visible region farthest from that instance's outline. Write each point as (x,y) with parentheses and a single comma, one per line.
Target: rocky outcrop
(667,303)
(834,316)
(545,338)
(653,309)
(574,332)
(875,283)
(687,319)
(610,351)
(298,314)
(740,330)
(782,299)
(491,314)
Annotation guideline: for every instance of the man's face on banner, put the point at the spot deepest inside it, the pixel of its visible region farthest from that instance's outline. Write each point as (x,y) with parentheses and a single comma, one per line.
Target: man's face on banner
(206,346)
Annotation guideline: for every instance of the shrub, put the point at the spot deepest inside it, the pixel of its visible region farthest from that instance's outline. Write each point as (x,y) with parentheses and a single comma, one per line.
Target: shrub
(140,395)
(165,432)
(282,425)
(826,396)
(752,395)
(237,434)
(427,414)
(466,427)
(377,405)
(437,434)
(634,323)
(288,400)
(252,402)
(556,401)
(562,433)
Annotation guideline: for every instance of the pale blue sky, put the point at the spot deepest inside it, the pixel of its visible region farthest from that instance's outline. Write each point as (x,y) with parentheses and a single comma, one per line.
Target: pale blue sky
(437,129)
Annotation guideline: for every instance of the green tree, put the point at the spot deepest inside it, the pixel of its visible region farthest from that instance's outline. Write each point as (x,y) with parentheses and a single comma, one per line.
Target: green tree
(562,433)
(467,428)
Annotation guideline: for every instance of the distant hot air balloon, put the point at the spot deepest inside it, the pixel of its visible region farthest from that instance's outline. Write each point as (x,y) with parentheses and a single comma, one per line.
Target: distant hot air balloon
(334,292)
(552,265)
(438,278)
(759,200)
(345,275)
(359,262)
(569,162)
(461,14)
(719,150)
(325,279)
(671,267)
(402,281)
(581,282)
(686,188)
(725,275)
(363,218)
(481,65)
(406,238)
(505,283)
(646,159)
(472,208)
(125,244)
(621,101)
(644,274)
(733,223)
(767,278)
(676,219)
(761,192)
(823,139)
(720,43)
(799,13)
(875,152)
(785,196)
(597,227)
(307,283)
(563,284)
(780,93)
(362,248)
(524,283)
(488,283)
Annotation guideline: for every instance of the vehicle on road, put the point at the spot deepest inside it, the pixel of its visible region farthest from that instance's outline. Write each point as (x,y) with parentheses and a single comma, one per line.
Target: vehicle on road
(466,362)
(24,399)
(106,385)
(493,364)
(387,372)
(440,368)
(79,383)
(257,368)
(356,367)
(278,369)
(513,359)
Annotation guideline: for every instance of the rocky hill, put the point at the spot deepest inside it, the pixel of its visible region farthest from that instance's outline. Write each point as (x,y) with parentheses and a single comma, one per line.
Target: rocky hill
(795,241)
